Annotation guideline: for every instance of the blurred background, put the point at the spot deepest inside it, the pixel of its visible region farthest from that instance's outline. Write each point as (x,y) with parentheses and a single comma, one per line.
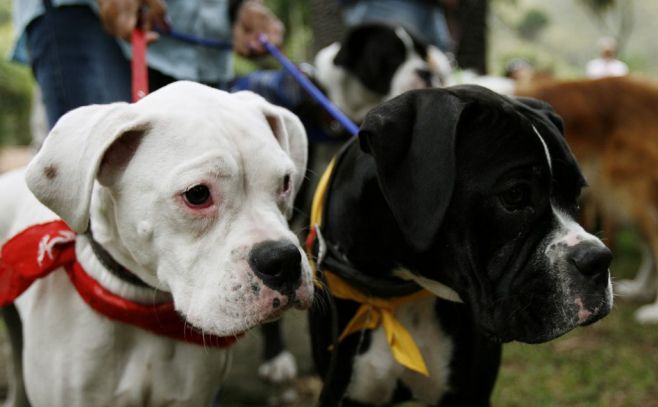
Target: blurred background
(612,363)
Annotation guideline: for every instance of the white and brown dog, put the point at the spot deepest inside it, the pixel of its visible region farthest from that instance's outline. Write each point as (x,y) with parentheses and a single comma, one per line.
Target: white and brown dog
(189,189)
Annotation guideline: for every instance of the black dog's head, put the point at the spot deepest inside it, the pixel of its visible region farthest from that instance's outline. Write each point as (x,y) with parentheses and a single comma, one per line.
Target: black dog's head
(492,212)
(375,53)
(375,62)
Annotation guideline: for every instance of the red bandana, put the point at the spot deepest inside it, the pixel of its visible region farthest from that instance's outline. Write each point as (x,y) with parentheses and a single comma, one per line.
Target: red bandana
(41,249)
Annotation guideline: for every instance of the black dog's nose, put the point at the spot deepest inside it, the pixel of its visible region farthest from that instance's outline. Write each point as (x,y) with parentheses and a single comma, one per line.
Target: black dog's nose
(591,259)
(278,263)
(425,75)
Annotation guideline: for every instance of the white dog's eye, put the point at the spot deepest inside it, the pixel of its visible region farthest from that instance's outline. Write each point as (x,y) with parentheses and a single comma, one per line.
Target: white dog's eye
(198,196)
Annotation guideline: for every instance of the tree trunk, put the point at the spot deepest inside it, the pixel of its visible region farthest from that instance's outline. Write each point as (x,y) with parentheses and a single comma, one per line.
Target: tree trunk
(468,26)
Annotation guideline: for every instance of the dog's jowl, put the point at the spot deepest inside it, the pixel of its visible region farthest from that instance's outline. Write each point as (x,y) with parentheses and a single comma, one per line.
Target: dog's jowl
(152,236)
(446,230)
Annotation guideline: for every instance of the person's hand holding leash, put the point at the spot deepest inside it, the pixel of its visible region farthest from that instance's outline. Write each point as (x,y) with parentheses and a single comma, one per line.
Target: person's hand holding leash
(254,18)
(119,17)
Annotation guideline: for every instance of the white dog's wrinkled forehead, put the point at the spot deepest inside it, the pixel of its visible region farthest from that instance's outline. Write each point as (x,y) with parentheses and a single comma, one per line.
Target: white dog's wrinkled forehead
(188,108)
(184,97)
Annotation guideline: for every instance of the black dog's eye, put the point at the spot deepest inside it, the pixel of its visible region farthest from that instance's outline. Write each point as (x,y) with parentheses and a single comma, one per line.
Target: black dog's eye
(198,195)
(516,197)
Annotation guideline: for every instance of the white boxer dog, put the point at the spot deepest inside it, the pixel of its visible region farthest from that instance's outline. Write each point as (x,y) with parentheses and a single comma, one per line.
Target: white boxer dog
(175,205)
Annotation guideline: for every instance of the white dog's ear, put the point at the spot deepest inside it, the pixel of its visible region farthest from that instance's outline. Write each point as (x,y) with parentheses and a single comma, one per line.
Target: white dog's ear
(289,132)
(62,173)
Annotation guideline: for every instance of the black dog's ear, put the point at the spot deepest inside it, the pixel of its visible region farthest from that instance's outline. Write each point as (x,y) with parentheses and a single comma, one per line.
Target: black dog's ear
(412,140)
(544,109)
(372,52)
(550,127)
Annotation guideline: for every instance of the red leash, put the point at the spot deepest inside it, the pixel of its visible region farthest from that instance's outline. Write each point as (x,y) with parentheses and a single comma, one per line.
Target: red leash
(140,77)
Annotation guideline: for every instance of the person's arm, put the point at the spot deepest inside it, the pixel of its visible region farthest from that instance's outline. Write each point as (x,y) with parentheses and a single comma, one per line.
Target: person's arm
(252,18)
(119,17)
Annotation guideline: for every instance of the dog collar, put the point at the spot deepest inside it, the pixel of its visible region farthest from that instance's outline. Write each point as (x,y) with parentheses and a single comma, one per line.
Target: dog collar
(373,311)
(41,249)
(112,265)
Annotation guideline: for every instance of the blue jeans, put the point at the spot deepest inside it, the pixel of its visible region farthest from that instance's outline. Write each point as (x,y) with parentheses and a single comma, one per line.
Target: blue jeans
(75,61)
(422,18)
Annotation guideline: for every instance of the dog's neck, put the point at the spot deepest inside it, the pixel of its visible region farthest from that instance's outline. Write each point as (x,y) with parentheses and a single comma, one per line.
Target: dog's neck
(373,243)
(104,227)
(99,271)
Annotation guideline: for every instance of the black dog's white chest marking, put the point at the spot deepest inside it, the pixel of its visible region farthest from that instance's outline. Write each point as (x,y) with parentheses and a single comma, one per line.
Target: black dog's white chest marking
(376,372)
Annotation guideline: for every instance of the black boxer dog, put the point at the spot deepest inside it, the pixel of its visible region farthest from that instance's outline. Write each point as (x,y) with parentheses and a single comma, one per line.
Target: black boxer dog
(457,207)
(372,63)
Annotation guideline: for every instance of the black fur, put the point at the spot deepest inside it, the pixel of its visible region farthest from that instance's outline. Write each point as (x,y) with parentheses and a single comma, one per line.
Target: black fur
(372,53)
(426,189)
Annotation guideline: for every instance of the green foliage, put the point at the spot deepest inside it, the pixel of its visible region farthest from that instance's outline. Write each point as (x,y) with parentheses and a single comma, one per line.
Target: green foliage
(295,16)
(532,24)
(599,6)
(15,104)
(15,89)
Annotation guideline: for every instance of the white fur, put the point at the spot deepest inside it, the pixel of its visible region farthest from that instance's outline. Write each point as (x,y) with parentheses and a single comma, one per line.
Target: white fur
(568,233)
(280,369)
(439,289)
(376,372)
(498,84)
(644,285)
(343,89)
(647,314)
(238,145)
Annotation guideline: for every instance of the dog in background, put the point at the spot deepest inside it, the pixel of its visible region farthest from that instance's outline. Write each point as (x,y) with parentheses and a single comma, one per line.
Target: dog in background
(375,62)
(612,126)
(453,213)
(188,189)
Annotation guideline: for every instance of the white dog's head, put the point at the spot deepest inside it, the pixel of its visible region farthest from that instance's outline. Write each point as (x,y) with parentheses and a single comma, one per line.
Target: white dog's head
(190,189)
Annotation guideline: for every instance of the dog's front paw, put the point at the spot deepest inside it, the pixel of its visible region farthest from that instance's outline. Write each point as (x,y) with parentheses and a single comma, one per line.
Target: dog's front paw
(635,291)
(282,368)
(647,314)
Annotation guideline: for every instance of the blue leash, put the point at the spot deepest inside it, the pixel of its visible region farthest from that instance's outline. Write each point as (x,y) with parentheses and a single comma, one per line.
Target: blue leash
(345,121)
(299,77)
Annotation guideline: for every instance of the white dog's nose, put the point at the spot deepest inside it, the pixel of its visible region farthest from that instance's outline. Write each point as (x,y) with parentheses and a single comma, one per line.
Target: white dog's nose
(278,264)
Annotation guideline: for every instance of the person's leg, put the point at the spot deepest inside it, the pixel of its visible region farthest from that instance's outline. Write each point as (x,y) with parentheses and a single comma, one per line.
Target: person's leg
(75,61)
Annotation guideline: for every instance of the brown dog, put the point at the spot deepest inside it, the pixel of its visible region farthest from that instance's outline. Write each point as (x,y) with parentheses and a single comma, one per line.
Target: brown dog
(612,126)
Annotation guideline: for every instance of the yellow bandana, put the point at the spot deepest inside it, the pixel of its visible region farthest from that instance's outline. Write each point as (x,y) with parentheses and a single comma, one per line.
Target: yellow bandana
(373,312)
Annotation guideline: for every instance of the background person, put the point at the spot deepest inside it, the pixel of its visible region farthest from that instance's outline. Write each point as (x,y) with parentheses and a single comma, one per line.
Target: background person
(78,52)
(607,63)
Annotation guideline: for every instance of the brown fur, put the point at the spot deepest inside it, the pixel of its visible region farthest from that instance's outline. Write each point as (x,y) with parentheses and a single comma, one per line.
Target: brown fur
(611,125)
